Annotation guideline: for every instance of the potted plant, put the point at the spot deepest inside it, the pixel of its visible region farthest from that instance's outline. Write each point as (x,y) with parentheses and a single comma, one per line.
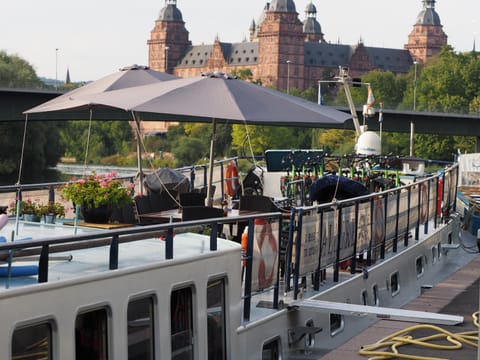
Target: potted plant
(51,211)
(98,195)
(29,209)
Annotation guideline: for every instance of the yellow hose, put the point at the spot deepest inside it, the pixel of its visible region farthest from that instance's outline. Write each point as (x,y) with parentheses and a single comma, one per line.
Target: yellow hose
(388,347)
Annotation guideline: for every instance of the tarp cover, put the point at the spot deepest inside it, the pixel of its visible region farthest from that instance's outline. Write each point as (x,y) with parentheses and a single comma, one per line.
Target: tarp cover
(166,178)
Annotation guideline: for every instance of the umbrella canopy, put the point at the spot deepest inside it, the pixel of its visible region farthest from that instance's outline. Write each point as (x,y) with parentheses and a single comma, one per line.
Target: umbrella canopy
(124,78)
(222,98)
(219,97)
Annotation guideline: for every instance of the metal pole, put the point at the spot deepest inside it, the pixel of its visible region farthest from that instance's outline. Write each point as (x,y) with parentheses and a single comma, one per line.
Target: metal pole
(166,58)
(56,68)
(288,76)
(412,126)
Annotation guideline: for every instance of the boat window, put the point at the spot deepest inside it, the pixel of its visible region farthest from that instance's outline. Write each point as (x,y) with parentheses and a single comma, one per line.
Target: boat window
(140,329)
(336,324)
(32,342)
(271,350)
(364,297)
(394,283)
(91,335)
(181,307)
(376,299)
(310,337)
(434,254)
(439,250)
(419,265)
(216,328)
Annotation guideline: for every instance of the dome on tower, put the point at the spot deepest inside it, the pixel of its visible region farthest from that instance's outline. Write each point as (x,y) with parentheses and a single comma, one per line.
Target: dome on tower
(310,9)
(170,12)
(428,16)
(312,26)
(282,6)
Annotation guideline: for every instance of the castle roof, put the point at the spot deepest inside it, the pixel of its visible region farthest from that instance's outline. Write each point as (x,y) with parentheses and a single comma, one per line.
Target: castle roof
(170,12)
(428,16)
(282,6)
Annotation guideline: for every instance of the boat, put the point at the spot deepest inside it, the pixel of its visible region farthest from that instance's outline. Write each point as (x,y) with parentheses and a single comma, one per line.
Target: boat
(279,275)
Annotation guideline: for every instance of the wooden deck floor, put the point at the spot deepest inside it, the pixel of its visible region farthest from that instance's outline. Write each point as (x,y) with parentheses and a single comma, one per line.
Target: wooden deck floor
(459,295)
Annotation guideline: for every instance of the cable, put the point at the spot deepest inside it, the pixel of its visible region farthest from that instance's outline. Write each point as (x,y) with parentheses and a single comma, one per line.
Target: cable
(455,341)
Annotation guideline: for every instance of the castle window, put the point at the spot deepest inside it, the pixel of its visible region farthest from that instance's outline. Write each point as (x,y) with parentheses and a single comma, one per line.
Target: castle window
(198,54)
(193,62)
(201,61)
(319,53)
(206,53)
(231,60)
(186,62)
(236,51)
(255,58)
(251,51)
(239,59)
(247,59)
(311,61)
(244,51)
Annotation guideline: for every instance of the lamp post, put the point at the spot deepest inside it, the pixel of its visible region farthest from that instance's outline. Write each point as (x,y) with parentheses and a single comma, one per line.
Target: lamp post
(166,58)
(288,76)
(412,126)
(56,68)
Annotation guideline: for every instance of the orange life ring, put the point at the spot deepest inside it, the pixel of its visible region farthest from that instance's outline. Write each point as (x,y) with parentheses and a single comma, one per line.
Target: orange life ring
(231,178)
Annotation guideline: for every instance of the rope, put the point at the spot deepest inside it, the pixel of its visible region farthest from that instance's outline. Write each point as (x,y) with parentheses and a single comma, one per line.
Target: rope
(88,143)
(455,341)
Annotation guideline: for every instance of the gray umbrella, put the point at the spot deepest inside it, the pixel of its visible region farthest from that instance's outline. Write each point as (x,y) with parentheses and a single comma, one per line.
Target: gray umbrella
(217,97)
(127,77)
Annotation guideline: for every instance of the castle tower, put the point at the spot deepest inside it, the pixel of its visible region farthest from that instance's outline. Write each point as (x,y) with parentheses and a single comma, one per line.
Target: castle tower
(168,39)
(311,27)
(281,47)
(427,37)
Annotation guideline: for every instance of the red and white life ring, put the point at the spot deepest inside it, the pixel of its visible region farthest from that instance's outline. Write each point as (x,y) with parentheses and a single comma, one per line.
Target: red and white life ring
(424,203)
(268,253)
(231,178)
(379,222)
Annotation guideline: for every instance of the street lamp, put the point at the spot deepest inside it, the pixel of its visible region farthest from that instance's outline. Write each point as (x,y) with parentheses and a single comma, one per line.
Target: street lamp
(56,68)
(166,58)
(412,126)
(288,76)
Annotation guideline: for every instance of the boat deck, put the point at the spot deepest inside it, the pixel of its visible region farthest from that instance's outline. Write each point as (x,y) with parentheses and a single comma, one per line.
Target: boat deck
(458,294)
(81,262)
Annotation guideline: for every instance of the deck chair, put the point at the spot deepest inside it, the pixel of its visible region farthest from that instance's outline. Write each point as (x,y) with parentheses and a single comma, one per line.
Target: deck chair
(202,212)
(192,199)
(257,203)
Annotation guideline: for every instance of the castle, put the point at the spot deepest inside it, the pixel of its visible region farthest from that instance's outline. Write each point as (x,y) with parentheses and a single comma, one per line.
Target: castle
(284,52)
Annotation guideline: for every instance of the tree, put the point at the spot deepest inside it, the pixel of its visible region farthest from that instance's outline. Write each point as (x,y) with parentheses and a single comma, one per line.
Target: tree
(15,72)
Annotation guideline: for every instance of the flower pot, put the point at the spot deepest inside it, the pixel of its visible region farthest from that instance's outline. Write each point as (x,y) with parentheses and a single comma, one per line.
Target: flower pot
(31,217)
(50,218)
(97,215)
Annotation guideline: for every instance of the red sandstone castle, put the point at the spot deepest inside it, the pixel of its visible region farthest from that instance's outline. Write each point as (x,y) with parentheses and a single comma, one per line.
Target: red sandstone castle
(285,52)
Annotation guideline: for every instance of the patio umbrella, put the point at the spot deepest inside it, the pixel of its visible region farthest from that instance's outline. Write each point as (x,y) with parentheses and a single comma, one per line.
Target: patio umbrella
(218,97)
(127,77)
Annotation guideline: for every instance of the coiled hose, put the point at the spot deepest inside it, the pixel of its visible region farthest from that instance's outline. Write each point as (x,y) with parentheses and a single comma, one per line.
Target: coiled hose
(389,347)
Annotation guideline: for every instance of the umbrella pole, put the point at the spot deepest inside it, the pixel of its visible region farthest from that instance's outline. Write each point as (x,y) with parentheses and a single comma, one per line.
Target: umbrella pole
(212,155)
(139,150)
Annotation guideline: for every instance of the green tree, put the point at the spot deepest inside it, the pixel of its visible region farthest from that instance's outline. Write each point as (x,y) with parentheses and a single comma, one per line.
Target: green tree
(15,72)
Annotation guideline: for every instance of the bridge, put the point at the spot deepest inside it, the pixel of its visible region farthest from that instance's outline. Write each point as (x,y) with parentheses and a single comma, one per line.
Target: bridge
(14,101)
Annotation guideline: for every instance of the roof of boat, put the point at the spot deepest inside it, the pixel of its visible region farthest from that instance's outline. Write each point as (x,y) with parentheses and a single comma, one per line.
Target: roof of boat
(70,264)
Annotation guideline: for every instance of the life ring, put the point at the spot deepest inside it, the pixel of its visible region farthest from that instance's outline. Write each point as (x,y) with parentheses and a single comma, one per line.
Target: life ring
(231,178)
(267,244)
(424,203)
(379,222)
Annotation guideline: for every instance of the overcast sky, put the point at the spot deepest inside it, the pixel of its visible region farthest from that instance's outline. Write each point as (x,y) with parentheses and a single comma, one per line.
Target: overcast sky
(97,37)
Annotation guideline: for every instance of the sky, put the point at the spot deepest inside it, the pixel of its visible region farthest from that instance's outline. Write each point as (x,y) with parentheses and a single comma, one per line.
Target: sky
(93,38)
